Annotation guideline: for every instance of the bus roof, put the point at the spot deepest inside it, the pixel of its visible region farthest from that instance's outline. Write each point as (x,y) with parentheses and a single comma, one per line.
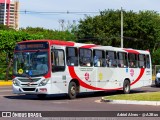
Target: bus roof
(83,45)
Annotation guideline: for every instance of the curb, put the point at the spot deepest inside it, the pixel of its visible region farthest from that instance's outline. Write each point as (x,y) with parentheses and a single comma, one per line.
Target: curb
(133,102)
(5,83)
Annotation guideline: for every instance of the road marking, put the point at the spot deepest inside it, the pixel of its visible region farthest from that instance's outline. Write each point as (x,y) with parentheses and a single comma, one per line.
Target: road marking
(59,102)
(67,101)
(98,101)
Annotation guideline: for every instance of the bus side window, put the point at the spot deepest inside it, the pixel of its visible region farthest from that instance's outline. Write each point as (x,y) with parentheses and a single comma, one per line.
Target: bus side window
(141,61)
(147,61)
(72,56)
(85,57)
(122,59)
(99,58)
(132,59)
(111,59)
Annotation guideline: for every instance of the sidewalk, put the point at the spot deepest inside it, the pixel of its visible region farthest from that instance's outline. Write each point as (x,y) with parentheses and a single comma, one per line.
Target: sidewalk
(133,102)
(5,83)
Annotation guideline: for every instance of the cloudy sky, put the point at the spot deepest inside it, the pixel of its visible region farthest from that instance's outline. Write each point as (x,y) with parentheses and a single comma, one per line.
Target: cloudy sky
(50,13)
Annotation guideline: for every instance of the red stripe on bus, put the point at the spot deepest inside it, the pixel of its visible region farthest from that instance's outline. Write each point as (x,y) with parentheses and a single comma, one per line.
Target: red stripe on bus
(85,85)
(88,46)
(131,51)
(139,77)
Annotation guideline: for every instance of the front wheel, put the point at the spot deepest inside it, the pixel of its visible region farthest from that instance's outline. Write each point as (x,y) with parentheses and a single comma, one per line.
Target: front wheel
(72,90)
(126,87)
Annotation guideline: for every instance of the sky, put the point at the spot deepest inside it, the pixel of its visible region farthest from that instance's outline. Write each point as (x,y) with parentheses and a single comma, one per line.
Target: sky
(49,14)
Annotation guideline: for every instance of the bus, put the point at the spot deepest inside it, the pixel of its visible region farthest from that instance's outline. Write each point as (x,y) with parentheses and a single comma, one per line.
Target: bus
(45,67)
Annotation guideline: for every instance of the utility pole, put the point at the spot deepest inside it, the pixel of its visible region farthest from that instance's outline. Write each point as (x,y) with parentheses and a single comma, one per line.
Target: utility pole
(121,27)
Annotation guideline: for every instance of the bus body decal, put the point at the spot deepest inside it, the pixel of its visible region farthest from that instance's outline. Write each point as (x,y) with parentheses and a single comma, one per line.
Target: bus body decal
(83,84)
(140,75)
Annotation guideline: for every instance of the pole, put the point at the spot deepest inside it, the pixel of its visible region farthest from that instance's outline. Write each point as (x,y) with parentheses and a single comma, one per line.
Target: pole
(121,27)
(4,19)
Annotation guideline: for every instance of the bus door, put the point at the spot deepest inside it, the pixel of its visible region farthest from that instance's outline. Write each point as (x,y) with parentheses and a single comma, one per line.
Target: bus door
(148,76)
(58,74)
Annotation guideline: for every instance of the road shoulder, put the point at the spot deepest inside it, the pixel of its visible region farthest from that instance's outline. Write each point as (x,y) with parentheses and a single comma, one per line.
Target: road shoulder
(5,83)
(133,102)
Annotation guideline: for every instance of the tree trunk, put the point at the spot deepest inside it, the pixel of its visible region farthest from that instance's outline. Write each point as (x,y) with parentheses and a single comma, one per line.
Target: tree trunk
(7,70)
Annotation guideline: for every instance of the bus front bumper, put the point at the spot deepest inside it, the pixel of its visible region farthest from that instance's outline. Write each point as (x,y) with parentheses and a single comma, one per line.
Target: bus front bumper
(30,90)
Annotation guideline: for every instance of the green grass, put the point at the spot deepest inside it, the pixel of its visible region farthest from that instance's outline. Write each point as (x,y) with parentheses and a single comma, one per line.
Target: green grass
(150,96)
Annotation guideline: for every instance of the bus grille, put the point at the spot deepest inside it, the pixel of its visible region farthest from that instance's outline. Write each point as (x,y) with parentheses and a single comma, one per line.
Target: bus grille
(28,80)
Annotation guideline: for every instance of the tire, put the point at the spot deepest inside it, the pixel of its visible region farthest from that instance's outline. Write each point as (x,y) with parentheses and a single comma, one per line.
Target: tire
(126,87)
(157,85)
(72,90)
(41,96)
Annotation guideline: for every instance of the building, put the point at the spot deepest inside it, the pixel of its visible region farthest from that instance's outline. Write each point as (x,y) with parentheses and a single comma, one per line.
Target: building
(9,13)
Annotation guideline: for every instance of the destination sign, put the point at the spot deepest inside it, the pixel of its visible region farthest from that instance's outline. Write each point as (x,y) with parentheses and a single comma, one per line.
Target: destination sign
(32,46)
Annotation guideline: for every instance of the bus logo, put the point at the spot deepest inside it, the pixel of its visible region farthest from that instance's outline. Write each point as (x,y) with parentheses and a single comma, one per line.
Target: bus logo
(86,76)
(132,72)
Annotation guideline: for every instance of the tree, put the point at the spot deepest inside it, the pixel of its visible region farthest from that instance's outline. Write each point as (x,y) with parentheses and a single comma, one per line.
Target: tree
(8,39)
(139,29)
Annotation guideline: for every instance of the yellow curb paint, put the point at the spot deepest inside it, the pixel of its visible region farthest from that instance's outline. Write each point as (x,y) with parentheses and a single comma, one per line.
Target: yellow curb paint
(5,83)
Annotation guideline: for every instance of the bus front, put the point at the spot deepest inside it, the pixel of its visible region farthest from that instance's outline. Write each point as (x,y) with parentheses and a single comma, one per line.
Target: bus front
(31,72)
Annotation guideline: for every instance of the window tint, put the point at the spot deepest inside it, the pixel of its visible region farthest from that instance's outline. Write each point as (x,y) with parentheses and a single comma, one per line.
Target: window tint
(57,59)
(132,59)
(122,59)
(141,61)
(111,59)
(85,57)
(72,56)
(99,58)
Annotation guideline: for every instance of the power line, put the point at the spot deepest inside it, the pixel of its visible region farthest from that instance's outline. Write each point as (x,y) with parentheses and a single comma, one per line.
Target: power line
(51,12)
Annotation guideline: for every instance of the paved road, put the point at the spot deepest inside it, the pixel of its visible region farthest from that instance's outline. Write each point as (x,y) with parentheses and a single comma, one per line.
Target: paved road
(84,102)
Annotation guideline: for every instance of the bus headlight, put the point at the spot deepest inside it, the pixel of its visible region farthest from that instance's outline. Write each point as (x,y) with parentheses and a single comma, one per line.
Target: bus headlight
(43,82)
(16,82)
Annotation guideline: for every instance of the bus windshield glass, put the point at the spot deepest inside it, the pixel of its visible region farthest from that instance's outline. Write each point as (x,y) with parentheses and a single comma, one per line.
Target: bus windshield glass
(30,63)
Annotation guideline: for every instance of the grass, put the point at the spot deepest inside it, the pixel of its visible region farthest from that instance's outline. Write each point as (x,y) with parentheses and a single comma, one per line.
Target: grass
(149,96)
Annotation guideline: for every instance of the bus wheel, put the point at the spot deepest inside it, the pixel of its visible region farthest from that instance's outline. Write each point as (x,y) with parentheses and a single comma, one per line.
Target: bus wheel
(72,90)
(126,87)
(41,96)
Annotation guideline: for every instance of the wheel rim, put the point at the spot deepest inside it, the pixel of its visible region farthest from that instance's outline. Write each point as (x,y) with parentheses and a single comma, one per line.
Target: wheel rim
(126,88)
(73,90)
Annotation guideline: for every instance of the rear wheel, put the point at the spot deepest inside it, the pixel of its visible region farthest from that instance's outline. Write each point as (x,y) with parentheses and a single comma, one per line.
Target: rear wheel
(72,90)
(126,87)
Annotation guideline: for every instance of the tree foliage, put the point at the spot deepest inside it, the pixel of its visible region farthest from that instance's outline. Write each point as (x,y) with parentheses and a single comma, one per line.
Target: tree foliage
(140,30)
(50,34)
(9,38)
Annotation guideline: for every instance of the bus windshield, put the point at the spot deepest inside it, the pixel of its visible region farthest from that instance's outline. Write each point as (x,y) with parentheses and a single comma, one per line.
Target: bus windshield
(30,63)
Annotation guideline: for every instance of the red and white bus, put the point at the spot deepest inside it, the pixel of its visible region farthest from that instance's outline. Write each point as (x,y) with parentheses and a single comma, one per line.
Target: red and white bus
(45,67)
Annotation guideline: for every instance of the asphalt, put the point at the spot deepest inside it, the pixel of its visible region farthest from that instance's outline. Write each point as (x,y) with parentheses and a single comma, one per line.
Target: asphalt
(133,102)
